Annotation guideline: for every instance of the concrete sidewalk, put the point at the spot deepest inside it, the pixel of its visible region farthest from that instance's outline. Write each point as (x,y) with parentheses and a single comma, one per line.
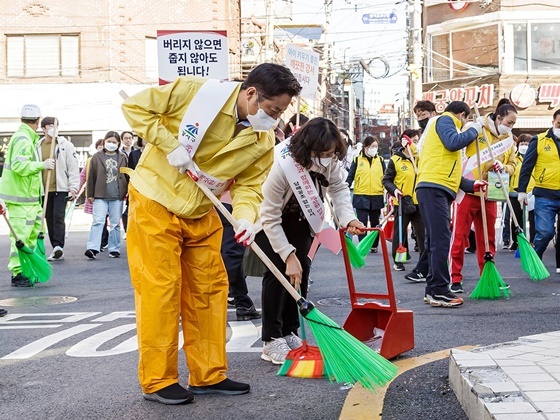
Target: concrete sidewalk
(518,380)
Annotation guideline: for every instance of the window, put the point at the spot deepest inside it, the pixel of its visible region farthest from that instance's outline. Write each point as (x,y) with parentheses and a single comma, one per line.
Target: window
(151,58)
(533,47)
(43,55)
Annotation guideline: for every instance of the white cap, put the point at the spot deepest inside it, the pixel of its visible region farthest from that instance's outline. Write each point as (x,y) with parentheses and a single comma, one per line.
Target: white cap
(30,111)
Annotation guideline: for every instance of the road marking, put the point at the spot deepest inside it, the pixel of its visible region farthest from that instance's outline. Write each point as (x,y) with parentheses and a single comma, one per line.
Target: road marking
(361,404)
(88,347)
(243,336)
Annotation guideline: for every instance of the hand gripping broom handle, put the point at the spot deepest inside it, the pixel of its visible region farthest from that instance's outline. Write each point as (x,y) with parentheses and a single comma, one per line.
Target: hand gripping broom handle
(49,174)
(269,264)
(482,203)
(504,189)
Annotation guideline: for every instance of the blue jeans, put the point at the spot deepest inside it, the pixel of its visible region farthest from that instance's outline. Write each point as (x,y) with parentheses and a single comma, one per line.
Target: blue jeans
(546,210)
(100,209)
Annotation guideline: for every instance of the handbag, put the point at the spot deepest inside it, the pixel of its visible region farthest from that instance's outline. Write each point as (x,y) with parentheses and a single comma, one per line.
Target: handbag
(407,204)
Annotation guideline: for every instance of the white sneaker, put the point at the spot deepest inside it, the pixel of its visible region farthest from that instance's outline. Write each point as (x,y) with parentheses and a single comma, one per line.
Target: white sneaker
(275,351)
(293,341)
(56,255)
(557,270)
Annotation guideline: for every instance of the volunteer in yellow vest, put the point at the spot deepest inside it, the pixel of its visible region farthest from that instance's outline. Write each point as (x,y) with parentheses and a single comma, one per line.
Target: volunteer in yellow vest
(498,128)
(174,233)
(522,145)
(542,160)
(21,187)
(400,181)
(366,172)
(439,180)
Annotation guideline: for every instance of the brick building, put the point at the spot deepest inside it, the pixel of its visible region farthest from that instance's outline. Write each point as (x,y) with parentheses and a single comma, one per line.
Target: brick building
(72,58)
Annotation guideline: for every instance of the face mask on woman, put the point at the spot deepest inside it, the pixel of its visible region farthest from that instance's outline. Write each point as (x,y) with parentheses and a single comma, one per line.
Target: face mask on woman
(318,161)
(523,149)
(504,129)
(111,147)
(371,151)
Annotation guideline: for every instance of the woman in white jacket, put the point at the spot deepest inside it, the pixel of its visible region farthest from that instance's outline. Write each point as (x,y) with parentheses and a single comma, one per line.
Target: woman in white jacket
(291,212)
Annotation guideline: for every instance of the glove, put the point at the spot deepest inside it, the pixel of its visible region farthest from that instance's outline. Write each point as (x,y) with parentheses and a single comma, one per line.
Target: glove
(397,193)
(477,126)
(522,198)
(481,121)
(48,164)
(245,232)
(498,166)
(72,194)
(480,186)
(406,141)
(180,159)
(2,206)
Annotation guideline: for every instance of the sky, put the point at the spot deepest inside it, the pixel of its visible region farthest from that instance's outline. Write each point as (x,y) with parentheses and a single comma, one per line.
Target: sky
(355,40)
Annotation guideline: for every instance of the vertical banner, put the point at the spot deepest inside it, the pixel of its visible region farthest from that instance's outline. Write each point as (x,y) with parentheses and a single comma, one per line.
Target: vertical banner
(192,53)
(304,64)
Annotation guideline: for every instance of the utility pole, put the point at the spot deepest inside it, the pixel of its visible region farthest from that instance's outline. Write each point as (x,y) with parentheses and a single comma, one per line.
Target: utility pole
(415,61)
(325,76)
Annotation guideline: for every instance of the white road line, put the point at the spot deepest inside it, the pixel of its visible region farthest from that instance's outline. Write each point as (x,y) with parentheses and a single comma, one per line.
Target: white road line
(88,347)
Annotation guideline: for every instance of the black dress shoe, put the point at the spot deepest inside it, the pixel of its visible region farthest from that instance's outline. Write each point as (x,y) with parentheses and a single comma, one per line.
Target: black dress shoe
(246,314)
(226,387)
(172,394)
(3,312)
(19,280)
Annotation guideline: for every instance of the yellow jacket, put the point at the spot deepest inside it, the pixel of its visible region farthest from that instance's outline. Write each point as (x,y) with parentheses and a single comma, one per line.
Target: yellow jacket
(368,176)
(156,114)
(400,174)
(547,166)
(514,180)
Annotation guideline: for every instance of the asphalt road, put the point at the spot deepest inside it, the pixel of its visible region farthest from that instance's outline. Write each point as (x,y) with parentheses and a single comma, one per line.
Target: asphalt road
(77,359)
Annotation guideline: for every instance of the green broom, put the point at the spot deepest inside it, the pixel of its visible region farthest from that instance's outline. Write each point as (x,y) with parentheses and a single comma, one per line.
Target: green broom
(33,266)
(349,359)
(530,261)
(366,243)
(490,285)
(356,259)
(40,245)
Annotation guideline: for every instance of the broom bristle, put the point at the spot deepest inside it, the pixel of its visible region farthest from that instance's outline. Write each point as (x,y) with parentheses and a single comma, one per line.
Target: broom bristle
(356,260)
(365,244)
(304,362)
(348,358)
(400,255)
(530,261)
(34,267)
(490,285)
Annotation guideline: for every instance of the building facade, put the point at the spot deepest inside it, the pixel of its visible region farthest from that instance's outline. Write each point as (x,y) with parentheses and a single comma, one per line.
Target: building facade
(492,49)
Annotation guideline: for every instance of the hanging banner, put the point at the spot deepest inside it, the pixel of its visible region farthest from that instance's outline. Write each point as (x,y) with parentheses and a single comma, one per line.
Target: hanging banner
(304,64)
(192,53)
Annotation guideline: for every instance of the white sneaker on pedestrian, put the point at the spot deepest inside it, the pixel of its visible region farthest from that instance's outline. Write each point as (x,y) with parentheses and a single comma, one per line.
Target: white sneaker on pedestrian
(56,255)
(275,351)
(293,341)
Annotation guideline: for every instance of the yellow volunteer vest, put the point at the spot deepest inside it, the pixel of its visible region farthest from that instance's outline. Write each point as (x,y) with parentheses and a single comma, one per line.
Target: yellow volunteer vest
(405,178)
(547,167)
(514,179)
(437,164)
(368,178)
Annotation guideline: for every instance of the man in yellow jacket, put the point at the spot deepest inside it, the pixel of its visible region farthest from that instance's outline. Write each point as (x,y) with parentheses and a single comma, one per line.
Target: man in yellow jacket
(174,233)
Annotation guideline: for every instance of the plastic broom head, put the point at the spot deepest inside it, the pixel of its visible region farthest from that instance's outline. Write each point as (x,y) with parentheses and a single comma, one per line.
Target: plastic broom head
(356,260)
(517,254)
(40,246)
(348,358)
(304,362)
(366,243)
(400,255)
(490,285)
(530,261)
(33,266)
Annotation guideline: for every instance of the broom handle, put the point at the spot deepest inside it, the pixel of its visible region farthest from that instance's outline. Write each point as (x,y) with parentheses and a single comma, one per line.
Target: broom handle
(504,189)
(269,264)
(482,202)
(49,173)
(409,150)
(335,217)
(400,222)
(10,226)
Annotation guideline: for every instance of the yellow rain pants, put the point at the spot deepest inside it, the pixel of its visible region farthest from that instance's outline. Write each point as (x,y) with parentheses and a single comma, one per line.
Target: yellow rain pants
(179,277)
(26,221)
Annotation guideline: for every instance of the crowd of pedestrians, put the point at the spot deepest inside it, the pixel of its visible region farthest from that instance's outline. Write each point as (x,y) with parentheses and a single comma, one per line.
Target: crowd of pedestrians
(276,190)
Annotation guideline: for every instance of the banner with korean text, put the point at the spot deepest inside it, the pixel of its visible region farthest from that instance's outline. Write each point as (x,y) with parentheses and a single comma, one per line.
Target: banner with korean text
(192,53)
(304,64)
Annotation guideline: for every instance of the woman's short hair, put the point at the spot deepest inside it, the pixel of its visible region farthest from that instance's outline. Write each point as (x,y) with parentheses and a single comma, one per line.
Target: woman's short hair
(112,134)
(317,135)
(368,141)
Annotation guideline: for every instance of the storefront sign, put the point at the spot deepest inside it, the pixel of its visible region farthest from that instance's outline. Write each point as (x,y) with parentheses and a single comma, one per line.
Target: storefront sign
(550,92)
(522,95)
(483,95)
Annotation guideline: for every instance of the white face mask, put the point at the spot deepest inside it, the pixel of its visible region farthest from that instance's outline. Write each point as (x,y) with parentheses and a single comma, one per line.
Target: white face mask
(261,121)
(503,129)
(556,132)
(372,151)
(111,147)
(50,132)
(522,149)
(321,161)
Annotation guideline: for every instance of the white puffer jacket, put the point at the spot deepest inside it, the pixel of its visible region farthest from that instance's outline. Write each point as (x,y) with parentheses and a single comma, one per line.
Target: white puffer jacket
(67,169)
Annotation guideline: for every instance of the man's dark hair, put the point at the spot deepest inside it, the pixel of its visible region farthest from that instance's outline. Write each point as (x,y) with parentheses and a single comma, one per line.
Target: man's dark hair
(272,80)
(410,133)
(424,106)
(556,113)
(127,132)
(457,107)
(317,135)
(139,141)
(48,121)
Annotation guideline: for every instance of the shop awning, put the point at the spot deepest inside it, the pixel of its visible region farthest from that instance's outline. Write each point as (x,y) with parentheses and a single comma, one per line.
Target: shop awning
(533,122)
